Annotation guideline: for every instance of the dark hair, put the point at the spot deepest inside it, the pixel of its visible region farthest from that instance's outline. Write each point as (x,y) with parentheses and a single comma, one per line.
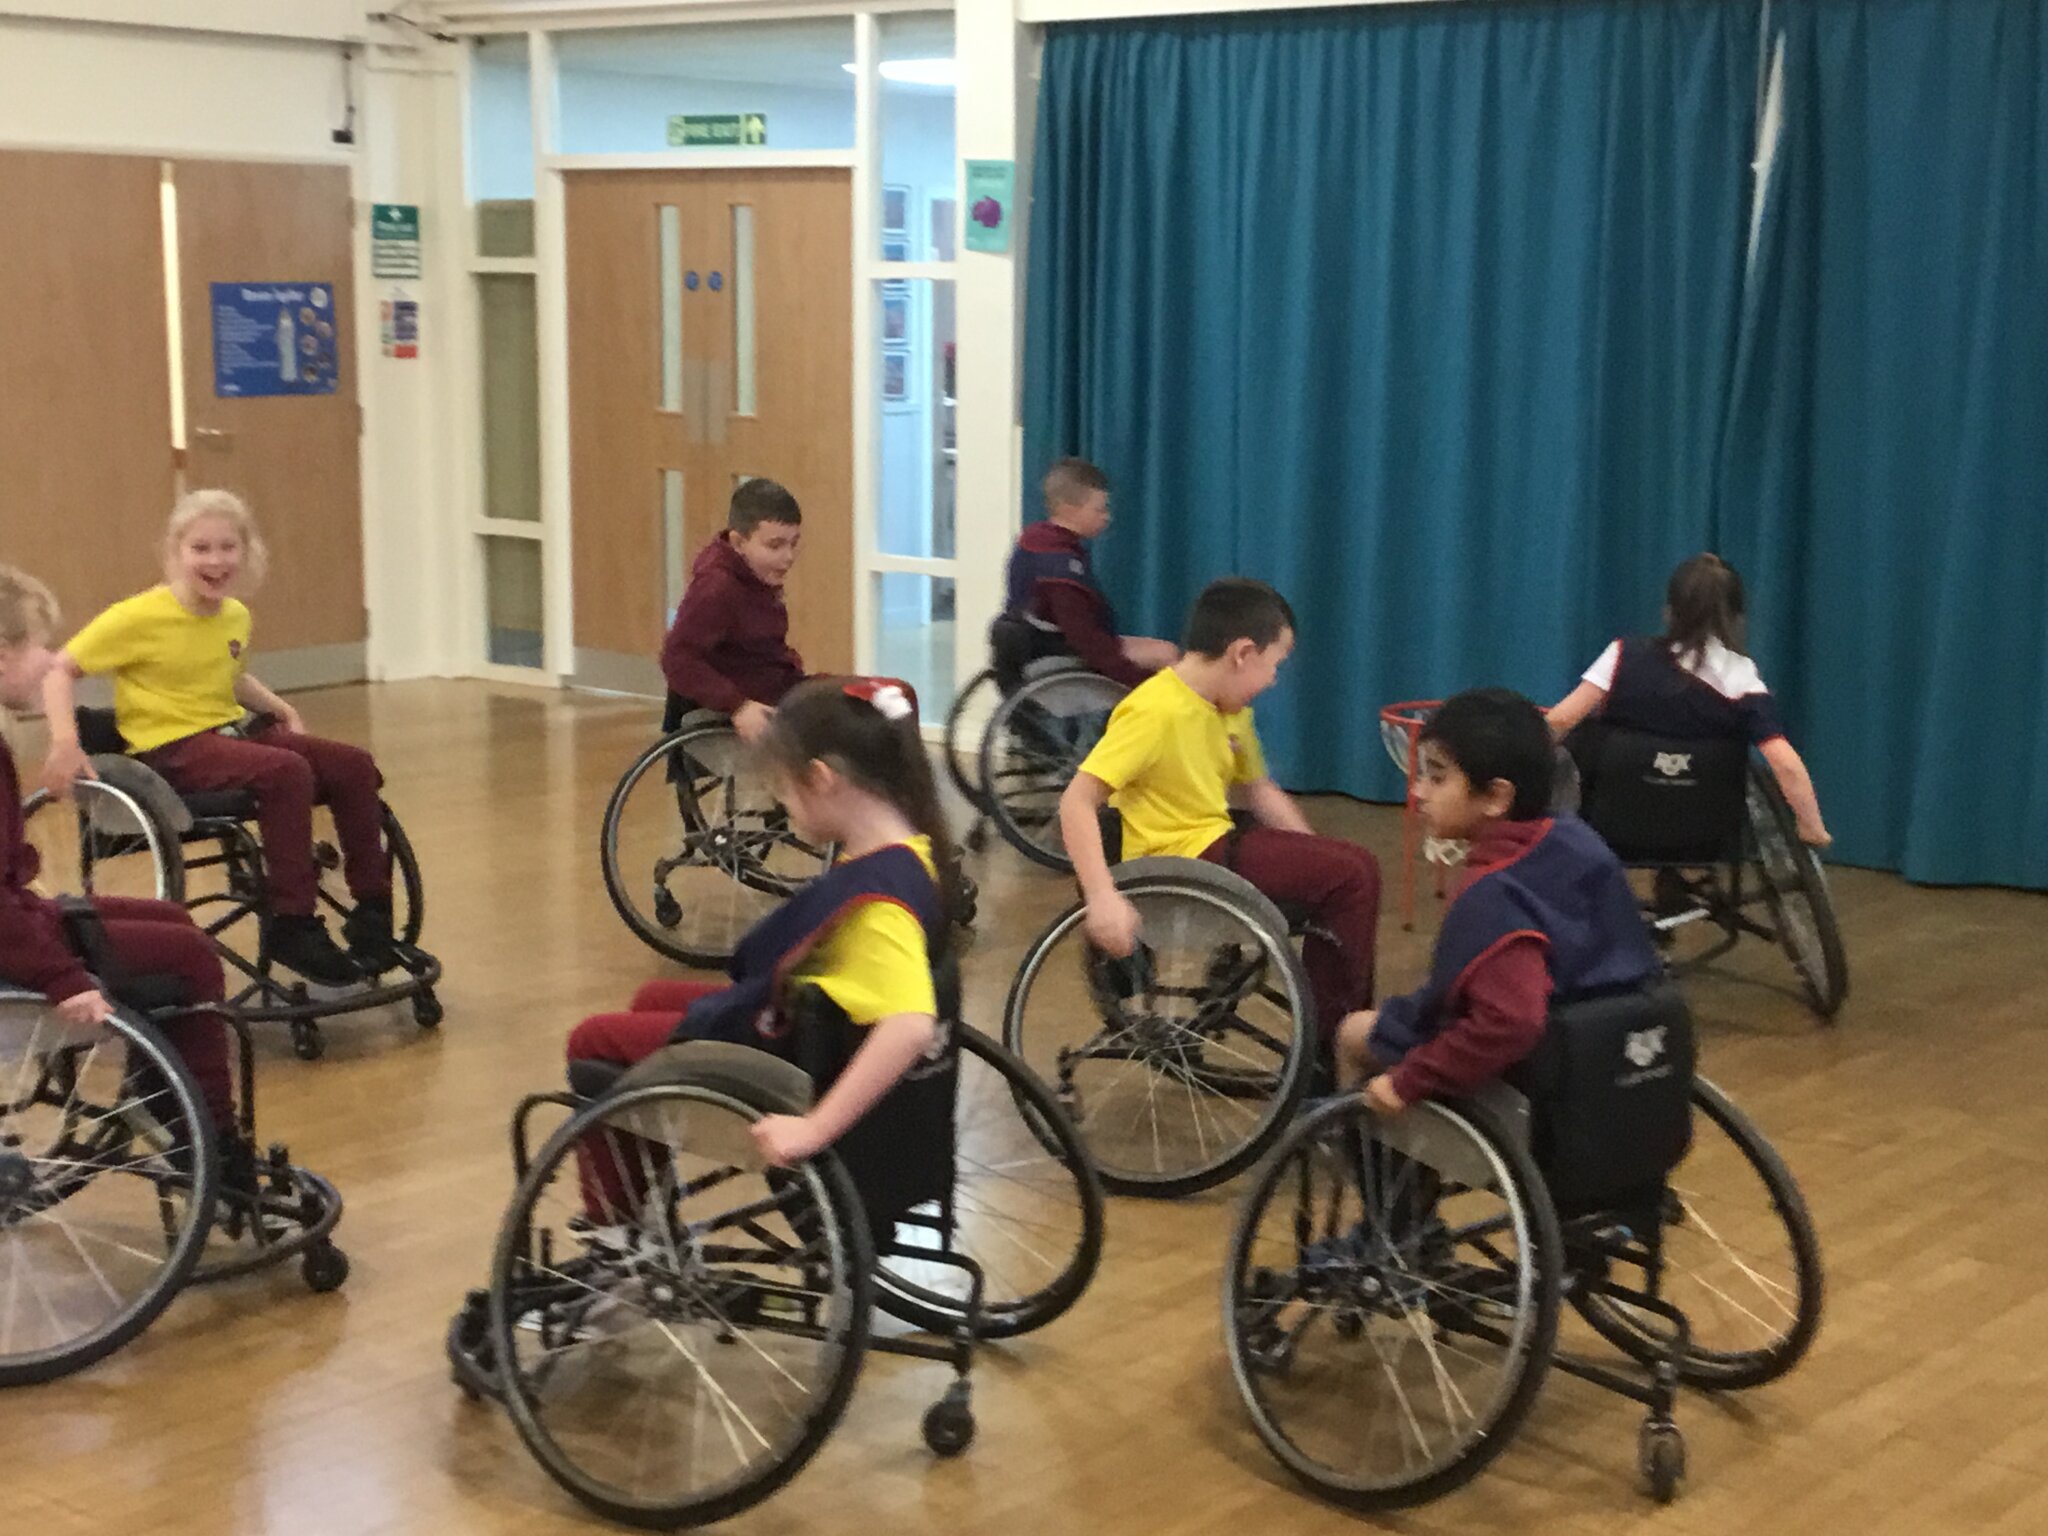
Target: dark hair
(1495,733)
(1236,608)
(818,720)
(1070,481)
(1703,601)
(755,502)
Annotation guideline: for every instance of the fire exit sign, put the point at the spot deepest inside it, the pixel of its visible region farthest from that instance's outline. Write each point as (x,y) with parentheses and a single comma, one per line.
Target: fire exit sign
(723,130)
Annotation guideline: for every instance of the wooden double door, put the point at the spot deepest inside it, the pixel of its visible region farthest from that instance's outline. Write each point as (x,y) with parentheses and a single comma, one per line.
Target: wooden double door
(710,326)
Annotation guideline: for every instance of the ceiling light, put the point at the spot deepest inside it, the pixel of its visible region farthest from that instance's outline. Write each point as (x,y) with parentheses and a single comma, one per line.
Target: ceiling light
(915,71)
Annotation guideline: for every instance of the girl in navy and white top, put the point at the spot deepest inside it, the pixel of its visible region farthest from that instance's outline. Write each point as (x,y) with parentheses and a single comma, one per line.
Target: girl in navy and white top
(1695,681)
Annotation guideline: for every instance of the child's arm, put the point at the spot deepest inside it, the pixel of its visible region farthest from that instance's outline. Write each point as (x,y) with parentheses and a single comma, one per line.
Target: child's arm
(1568,711)
(892,1047)
(1273,806)
(1797,785)
(252,694)
(1079,617)
(703,615)
(1112,921)
(67,760)
(1498,1016)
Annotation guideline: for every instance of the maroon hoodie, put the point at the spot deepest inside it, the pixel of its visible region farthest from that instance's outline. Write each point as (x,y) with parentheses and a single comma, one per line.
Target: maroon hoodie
(33,950)
(730,640)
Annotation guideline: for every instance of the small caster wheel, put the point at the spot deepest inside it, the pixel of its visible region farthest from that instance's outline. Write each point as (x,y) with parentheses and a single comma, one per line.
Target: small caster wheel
(307,1043)
(1660,1458)
(324,1268)
(326,855)
(426,1008)
(1348,1323)
(949,1423)
(469,1364)
(667,910)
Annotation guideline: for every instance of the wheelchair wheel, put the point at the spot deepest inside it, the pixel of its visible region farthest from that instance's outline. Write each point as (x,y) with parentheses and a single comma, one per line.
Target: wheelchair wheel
(695,848)
(1026,1207)
(107,1180)
(104,842)
(1390,1299)
(1735,1252)
(408,887)
(965,722)
(1035,741)
(682,1355)
(1178,1065)
(1802,909)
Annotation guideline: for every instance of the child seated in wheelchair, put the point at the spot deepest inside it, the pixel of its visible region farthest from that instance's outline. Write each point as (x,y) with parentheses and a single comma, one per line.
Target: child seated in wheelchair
(850,767)
(1693,681)
(147,938)
(728,648)
(179,657)
(1177,748)
(1051,588)
(1543,915)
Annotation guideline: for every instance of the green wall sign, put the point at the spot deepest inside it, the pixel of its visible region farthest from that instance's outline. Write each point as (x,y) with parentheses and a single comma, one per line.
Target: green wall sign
(722,130)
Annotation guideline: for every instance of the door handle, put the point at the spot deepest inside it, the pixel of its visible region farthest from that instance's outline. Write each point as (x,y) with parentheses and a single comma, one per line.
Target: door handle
(212,435)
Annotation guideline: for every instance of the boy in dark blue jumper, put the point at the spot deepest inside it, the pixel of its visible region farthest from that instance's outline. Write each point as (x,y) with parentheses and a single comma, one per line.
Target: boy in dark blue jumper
(1543,914)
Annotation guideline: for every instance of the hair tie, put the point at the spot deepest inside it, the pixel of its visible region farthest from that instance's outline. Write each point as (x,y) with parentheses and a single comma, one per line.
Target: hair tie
(884,696)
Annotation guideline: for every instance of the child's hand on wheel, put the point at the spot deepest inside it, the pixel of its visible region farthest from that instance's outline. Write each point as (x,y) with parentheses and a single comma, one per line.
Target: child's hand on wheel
(1381,1098)
(751,719)
(1816,837)
(786,1140)
(85,1010)
(66,764)
(1112,924)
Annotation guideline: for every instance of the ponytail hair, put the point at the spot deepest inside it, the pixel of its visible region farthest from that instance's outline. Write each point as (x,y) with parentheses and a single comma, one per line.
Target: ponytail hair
(1703,601)
(866,730)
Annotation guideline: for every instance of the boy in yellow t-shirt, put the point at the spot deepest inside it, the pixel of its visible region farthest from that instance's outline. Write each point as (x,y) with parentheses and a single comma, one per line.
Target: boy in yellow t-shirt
(1178,748)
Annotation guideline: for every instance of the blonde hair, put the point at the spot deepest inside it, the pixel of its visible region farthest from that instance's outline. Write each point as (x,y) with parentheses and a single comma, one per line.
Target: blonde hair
(231,509)
(28,611)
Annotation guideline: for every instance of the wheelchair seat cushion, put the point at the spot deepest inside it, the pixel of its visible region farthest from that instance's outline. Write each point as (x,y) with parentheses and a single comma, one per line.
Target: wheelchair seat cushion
(221,804)
(768,1083)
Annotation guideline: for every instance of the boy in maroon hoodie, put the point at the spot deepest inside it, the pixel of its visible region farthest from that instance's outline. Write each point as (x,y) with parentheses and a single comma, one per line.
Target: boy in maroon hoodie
(146,937)
(728,648)
(1051,583)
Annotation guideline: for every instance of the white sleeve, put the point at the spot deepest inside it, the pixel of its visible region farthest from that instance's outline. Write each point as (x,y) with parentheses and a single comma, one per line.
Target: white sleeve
(1601,673)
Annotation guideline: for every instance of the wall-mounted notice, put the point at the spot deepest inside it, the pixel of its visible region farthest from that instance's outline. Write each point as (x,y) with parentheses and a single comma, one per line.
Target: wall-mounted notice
(401,327)
(274,339)
(394,240)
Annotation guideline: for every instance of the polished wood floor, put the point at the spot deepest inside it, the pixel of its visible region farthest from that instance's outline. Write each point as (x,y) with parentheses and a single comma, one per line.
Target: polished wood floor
(1917,1124)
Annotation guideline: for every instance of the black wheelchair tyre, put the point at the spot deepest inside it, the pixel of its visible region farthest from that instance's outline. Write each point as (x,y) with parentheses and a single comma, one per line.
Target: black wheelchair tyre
(1702,1365)
(1021,706)
(963,764)
(1006,1317)
(1795,887)
(405,869)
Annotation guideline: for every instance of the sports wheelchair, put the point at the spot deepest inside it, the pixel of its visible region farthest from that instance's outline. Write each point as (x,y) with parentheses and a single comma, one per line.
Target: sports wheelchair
(113,1181)
(1393,1286)
(129,833)
(1181,1063)
(1044,713)
(1708,817)
(681,1361)
(695,847)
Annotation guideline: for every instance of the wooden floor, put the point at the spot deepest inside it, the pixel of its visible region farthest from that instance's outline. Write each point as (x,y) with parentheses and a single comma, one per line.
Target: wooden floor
(1917,1124)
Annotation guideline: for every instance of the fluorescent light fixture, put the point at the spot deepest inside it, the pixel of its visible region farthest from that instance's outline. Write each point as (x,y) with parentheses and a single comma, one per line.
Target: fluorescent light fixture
(915,71)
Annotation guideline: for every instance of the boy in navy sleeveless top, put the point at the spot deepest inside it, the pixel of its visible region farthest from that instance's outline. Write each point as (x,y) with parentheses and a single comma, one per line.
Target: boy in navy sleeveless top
(1051,582)
(1543,915)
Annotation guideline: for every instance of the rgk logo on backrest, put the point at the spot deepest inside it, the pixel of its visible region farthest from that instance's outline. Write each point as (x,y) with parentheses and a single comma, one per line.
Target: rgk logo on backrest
(1644,1046)
(1673,764)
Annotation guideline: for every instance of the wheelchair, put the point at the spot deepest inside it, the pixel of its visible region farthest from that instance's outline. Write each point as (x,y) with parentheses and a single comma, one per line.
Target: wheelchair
(1709,818)
(129,833)
(1393,1286)
(1045,711)
(1181,1063)
(695,847)
(682,1362)
(114,1192)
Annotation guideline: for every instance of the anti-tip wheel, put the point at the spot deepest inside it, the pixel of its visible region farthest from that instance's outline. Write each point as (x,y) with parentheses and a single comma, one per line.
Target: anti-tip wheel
(949,1423)
(1660,1458)
(324,1267)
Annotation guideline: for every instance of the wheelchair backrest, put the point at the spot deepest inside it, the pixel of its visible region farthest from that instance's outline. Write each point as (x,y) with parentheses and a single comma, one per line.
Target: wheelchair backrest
(1663,799)
(1013,644)
(1610,1095)
(98,732)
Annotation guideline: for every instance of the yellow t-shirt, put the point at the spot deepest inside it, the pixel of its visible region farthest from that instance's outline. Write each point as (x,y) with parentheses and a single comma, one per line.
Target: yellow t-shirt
(174,670)
(874,963)
(1170,758)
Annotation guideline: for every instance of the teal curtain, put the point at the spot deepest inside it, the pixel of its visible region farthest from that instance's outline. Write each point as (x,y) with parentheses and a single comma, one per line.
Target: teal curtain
(1425,314)
(1886,480)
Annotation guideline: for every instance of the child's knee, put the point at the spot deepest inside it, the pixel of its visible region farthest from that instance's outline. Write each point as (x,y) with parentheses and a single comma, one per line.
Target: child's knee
(284,775)
(588,1040)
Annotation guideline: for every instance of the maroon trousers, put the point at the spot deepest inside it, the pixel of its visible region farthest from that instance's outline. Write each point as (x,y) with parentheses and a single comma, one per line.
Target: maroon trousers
(288,774)
(1339,885)
(159,938)
(611,1166)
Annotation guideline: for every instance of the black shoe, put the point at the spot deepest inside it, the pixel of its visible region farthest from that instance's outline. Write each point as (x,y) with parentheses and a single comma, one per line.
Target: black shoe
(368,932)
(302,944)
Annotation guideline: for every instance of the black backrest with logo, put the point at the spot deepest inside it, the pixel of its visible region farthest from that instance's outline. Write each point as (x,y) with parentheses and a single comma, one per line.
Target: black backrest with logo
(1662,799)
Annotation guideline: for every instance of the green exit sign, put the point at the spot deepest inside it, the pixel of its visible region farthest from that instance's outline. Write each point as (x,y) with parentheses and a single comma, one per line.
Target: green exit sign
(723,130)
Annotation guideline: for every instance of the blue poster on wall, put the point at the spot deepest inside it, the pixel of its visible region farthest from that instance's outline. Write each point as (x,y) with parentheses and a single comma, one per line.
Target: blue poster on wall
(274,339)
